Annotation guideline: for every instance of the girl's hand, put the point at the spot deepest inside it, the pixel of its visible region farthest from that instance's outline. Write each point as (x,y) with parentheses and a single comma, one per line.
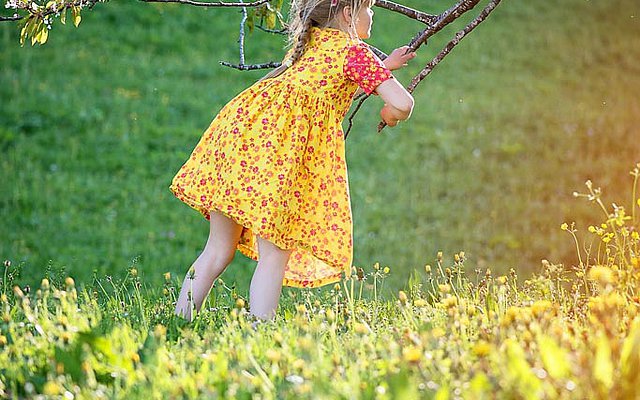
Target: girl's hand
(399,58)
(388,117)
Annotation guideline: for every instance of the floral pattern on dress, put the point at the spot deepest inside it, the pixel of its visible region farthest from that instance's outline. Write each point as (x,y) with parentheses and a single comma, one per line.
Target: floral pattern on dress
(273,160)
(364,68)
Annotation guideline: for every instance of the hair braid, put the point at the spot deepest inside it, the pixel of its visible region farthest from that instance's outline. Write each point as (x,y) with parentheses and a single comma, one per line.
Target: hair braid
(306,14)
(302,40)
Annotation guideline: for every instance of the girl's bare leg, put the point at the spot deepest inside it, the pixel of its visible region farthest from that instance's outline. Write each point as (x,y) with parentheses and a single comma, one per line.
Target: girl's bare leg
(266,284)
(218,253)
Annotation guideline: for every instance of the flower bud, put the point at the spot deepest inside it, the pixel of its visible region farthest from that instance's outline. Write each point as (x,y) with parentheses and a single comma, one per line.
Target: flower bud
(402,296)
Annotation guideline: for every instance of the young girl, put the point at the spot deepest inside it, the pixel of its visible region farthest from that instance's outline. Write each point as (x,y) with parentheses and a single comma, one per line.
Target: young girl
(270,172)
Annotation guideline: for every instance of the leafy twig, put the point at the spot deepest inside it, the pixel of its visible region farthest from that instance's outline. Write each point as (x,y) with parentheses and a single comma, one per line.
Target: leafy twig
(210,4)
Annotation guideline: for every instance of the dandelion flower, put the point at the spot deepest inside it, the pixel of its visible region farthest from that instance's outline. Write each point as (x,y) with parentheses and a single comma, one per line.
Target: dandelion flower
(602,275)
(411,354)
(481,349)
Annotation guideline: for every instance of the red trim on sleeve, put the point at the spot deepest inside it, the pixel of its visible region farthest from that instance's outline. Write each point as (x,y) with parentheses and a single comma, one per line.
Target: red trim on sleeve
(365,68)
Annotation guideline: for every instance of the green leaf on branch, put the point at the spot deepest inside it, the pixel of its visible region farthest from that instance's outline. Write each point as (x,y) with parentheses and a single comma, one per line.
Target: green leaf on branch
(75,12)
(271,20)
(250,20)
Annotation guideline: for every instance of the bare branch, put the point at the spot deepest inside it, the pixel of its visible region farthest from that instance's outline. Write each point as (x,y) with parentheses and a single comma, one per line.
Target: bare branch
(437,24)
(282,31)
(250,67)
(241,38)
(442,21)
(212,4)
(454,42)
(14,17)
(381,54)
(363,97)
(409,12)
(447,49)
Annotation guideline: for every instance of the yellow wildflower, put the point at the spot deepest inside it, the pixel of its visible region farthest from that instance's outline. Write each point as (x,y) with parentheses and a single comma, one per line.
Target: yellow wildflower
(411,354)
(273,355)
(331,316)
(539,307)
(159,331)
(438,332)
(51,389)
(602,275)
(360,328)
(240,303)
(444,288)
(298,364)
(420,303)
(450,302)
(481,349)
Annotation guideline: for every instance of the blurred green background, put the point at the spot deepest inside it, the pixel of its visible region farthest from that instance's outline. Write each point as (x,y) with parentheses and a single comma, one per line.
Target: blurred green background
(538,99)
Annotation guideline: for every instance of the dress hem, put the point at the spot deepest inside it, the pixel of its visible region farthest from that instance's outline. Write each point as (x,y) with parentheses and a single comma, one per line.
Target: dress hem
(250,252)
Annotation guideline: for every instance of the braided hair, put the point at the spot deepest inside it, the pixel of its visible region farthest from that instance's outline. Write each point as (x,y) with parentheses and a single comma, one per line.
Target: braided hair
(304,15)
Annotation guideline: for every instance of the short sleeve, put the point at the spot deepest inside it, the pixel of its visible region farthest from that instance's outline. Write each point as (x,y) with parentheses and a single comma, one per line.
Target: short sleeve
(364,68)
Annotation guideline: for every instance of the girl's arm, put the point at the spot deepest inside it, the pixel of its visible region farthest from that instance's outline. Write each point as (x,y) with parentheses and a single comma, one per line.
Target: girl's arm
(398,102)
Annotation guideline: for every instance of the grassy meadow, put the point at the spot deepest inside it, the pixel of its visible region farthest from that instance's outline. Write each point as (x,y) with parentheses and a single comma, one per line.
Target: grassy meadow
(454,211)
(94,124)
(453,334)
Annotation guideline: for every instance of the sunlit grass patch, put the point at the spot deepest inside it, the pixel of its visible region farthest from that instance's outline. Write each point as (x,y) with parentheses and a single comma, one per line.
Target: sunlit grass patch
(567,332)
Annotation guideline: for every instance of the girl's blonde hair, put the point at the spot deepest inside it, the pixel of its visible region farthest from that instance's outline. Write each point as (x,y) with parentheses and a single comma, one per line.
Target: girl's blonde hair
(304,15)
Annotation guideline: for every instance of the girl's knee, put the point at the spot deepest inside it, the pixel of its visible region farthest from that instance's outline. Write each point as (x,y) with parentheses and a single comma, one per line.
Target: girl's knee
(221,260)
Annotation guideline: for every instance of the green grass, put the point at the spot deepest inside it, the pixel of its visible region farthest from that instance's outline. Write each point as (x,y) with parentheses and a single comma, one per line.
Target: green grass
(562,334)
(94,124)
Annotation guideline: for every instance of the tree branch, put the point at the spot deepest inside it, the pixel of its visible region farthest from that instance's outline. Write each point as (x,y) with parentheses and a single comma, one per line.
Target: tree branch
(447,49)
(14,17)
(249,67)
(409,12)
(241,36)
(441,22)
(282,31)
(212,4)
(41,12)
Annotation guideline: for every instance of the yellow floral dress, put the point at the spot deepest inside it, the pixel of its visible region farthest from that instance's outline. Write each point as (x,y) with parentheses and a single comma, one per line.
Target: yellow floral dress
(273,159)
